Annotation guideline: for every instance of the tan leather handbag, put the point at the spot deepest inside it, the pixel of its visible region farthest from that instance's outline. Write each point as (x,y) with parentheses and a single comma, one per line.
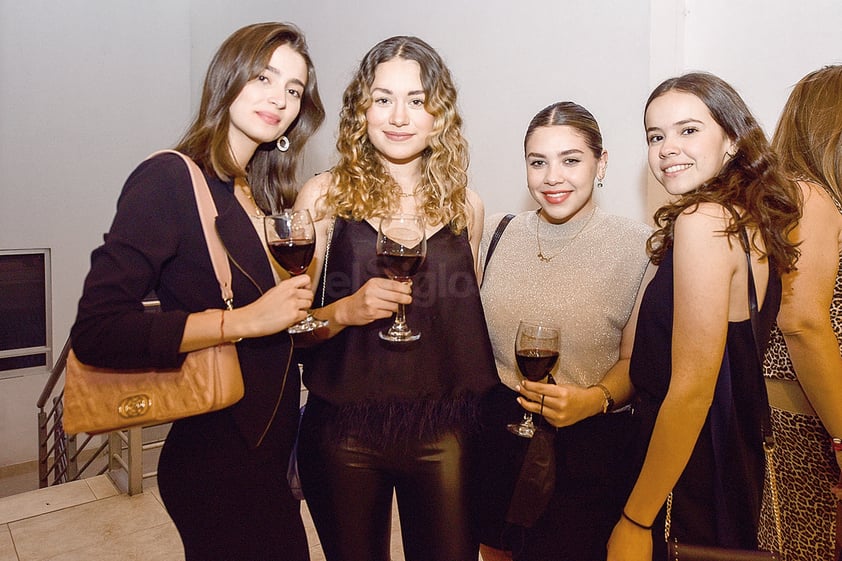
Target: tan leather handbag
(99,400)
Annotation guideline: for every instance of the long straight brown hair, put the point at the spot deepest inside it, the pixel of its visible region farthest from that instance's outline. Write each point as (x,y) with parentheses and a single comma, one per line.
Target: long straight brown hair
(242,57)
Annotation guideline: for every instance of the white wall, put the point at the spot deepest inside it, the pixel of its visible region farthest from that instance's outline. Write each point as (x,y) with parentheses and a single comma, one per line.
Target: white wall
(89,88)
(763,52)
(86,90)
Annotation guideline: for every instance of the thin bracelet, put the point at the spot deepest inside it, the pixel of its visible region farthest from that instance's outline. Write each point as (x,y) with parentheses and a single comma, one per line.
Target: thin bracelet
(222,329)
(608,401)
(222,326)
(635,522)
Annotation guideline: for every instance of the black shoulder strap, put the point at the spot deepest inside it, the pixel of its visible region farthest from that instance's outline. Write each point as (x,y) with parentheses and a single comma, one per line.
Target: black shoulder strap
(765,422)
(496,238)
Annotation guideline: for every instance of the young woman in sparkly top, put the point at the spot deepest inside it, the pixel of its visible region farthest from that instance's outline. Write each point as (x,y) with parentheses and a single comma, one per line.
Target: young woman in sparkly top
(573,265)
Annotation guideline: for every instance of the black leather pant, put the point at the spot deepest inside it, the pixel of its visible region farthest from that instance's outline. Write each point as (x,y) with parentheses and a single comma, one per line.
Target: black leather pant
(348,487)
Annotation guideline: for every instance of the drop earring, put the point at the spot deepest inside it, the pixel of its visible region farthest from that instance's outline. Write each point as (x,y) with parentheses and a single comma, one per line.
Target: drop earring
(599,183)
(282,144)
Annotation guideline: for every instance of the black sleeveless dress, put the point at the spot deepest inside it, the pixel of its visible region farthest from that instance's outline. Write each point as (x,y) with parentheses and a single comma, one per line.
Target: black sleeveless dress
(716,501)
(387,392)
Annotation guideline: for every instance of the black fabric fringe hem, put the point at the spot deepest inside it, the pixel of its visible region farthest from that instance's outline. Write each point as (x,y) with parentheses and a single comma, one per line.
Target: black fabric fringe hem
(382,424)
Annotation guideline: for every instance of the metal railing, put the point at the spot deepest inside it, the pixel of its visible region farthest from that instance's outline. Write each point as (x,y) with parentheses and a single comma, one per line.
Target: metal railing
(125,458)
(60,455)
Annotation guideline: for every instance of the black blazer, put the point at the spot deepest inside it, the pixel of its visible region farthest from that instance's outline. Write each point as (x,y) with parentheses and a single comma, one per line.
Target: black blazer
(156,243)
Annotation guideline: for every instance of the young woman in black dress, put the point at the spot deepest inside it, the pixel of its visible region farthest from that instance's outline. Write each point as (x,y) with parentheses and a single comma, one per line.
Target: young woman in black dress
(694,363)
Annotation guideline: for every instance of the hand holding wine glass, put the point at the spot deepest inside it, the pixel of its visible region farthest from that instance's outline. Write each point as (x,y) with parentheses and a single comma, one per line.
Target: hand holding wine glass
(291,239)
(401,249)
(536,352)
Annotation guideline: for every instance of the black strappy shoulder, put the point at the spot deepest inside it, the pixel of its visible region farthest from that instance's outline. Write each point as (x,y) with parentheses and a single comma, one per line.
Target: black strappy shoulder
(766,427)
(495,239)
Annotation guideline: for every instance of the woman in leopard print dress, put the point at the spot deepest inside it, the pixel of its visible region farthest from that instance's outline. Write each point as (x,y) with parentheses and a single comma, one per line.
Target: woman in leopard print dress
(804,362)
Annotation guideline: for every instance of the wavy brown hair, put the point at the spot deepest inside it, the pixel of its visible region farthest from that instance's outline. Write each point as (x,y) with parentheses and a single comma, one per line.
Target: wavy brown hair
(808,138)
(363,187)
(750,185)
(241,58)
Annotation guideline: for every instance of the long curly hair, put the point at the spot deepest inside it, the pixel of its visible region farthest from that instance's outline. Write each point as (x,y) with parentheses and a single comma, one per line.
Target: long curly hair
(241,58)
(363,187)
(808,138)
(750,185)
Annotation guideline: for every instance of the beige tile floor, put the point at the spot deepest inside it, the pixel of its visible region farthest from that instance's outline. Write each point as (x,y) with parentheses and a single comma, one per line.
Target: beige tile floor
(90,520)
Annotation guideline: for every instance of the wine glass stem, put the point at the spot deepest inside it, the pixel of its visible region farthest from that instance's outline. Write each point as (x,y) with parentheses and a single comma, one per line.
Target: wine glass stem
(400,318)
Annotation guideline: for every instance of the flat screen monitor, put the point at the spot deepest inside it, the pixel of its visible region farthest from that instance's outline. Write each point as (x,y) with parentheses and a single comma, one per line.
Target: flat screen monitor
(25,314)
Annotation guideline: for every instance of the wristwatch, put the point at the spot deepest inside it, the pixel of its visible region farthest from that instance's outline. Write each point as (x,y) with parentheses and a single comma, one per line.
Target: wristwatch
(608,403)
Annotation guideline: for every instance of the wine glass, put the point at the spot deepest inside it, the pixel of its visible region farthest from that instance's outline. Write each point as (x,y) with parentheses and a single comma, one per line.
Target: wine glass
(401,248)
(291,238)
(536,351)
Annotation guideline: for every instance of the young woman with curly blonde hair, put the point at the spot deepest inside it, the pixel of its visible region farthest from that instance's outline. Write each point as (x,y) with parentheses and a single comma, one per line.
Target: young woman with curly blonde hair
(386,417)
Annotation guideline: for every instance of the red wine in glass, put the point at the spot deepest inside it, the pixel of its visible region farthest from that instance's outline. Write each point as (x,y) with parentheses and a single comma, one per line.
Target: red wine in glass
(401,249)
(536,353)
(536,364)
(400,267)
(293,255)
(291,239)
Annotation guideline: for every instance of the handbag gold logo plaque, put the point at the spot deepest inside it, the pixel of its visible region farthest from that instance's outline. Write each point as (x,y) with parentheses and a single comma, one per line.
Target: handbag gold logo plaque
(134,406)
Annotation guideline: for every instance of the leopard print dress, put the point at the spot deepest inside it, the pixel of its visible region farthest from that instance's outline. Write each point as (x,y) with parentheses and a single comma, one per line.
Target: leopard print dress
(805,465)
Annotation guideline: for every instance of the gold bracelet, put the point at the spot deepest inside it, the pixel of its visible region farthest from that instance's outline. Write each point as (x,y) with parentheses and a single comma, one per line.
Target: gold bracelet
(608,403)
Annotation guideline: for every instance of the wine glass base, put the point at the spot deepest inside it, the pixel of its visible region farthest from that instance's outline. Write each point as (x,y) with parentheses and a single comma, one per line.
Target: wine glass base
(399,336)
(307,325)
(522,430)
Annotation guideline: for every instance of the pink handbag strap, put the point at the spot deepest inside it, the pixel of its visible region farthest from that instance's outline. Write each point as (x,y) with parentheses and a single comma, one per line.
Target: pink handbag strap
(207,214)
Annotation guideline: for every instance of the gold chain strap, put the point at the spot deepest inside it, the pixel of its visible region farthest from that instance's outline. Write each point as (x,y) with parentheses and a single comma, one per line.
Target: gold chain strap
(773,490)
(327,255)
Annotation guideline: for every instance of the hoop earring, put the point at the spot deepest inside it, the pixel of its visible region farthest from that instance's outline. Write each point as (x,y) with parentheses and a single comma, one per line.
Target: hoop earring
(282,144)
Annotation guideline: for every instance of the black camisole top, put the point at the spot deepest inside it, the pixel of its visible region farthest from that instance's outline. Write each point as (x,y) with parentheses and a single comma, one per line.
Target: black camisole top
(419,388)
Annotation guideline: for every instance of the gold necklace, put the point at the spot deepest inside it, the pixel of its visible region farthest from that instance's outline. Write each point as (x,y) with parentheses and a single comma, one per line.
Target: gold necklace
(404,195)
(546,258)
(247,192)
